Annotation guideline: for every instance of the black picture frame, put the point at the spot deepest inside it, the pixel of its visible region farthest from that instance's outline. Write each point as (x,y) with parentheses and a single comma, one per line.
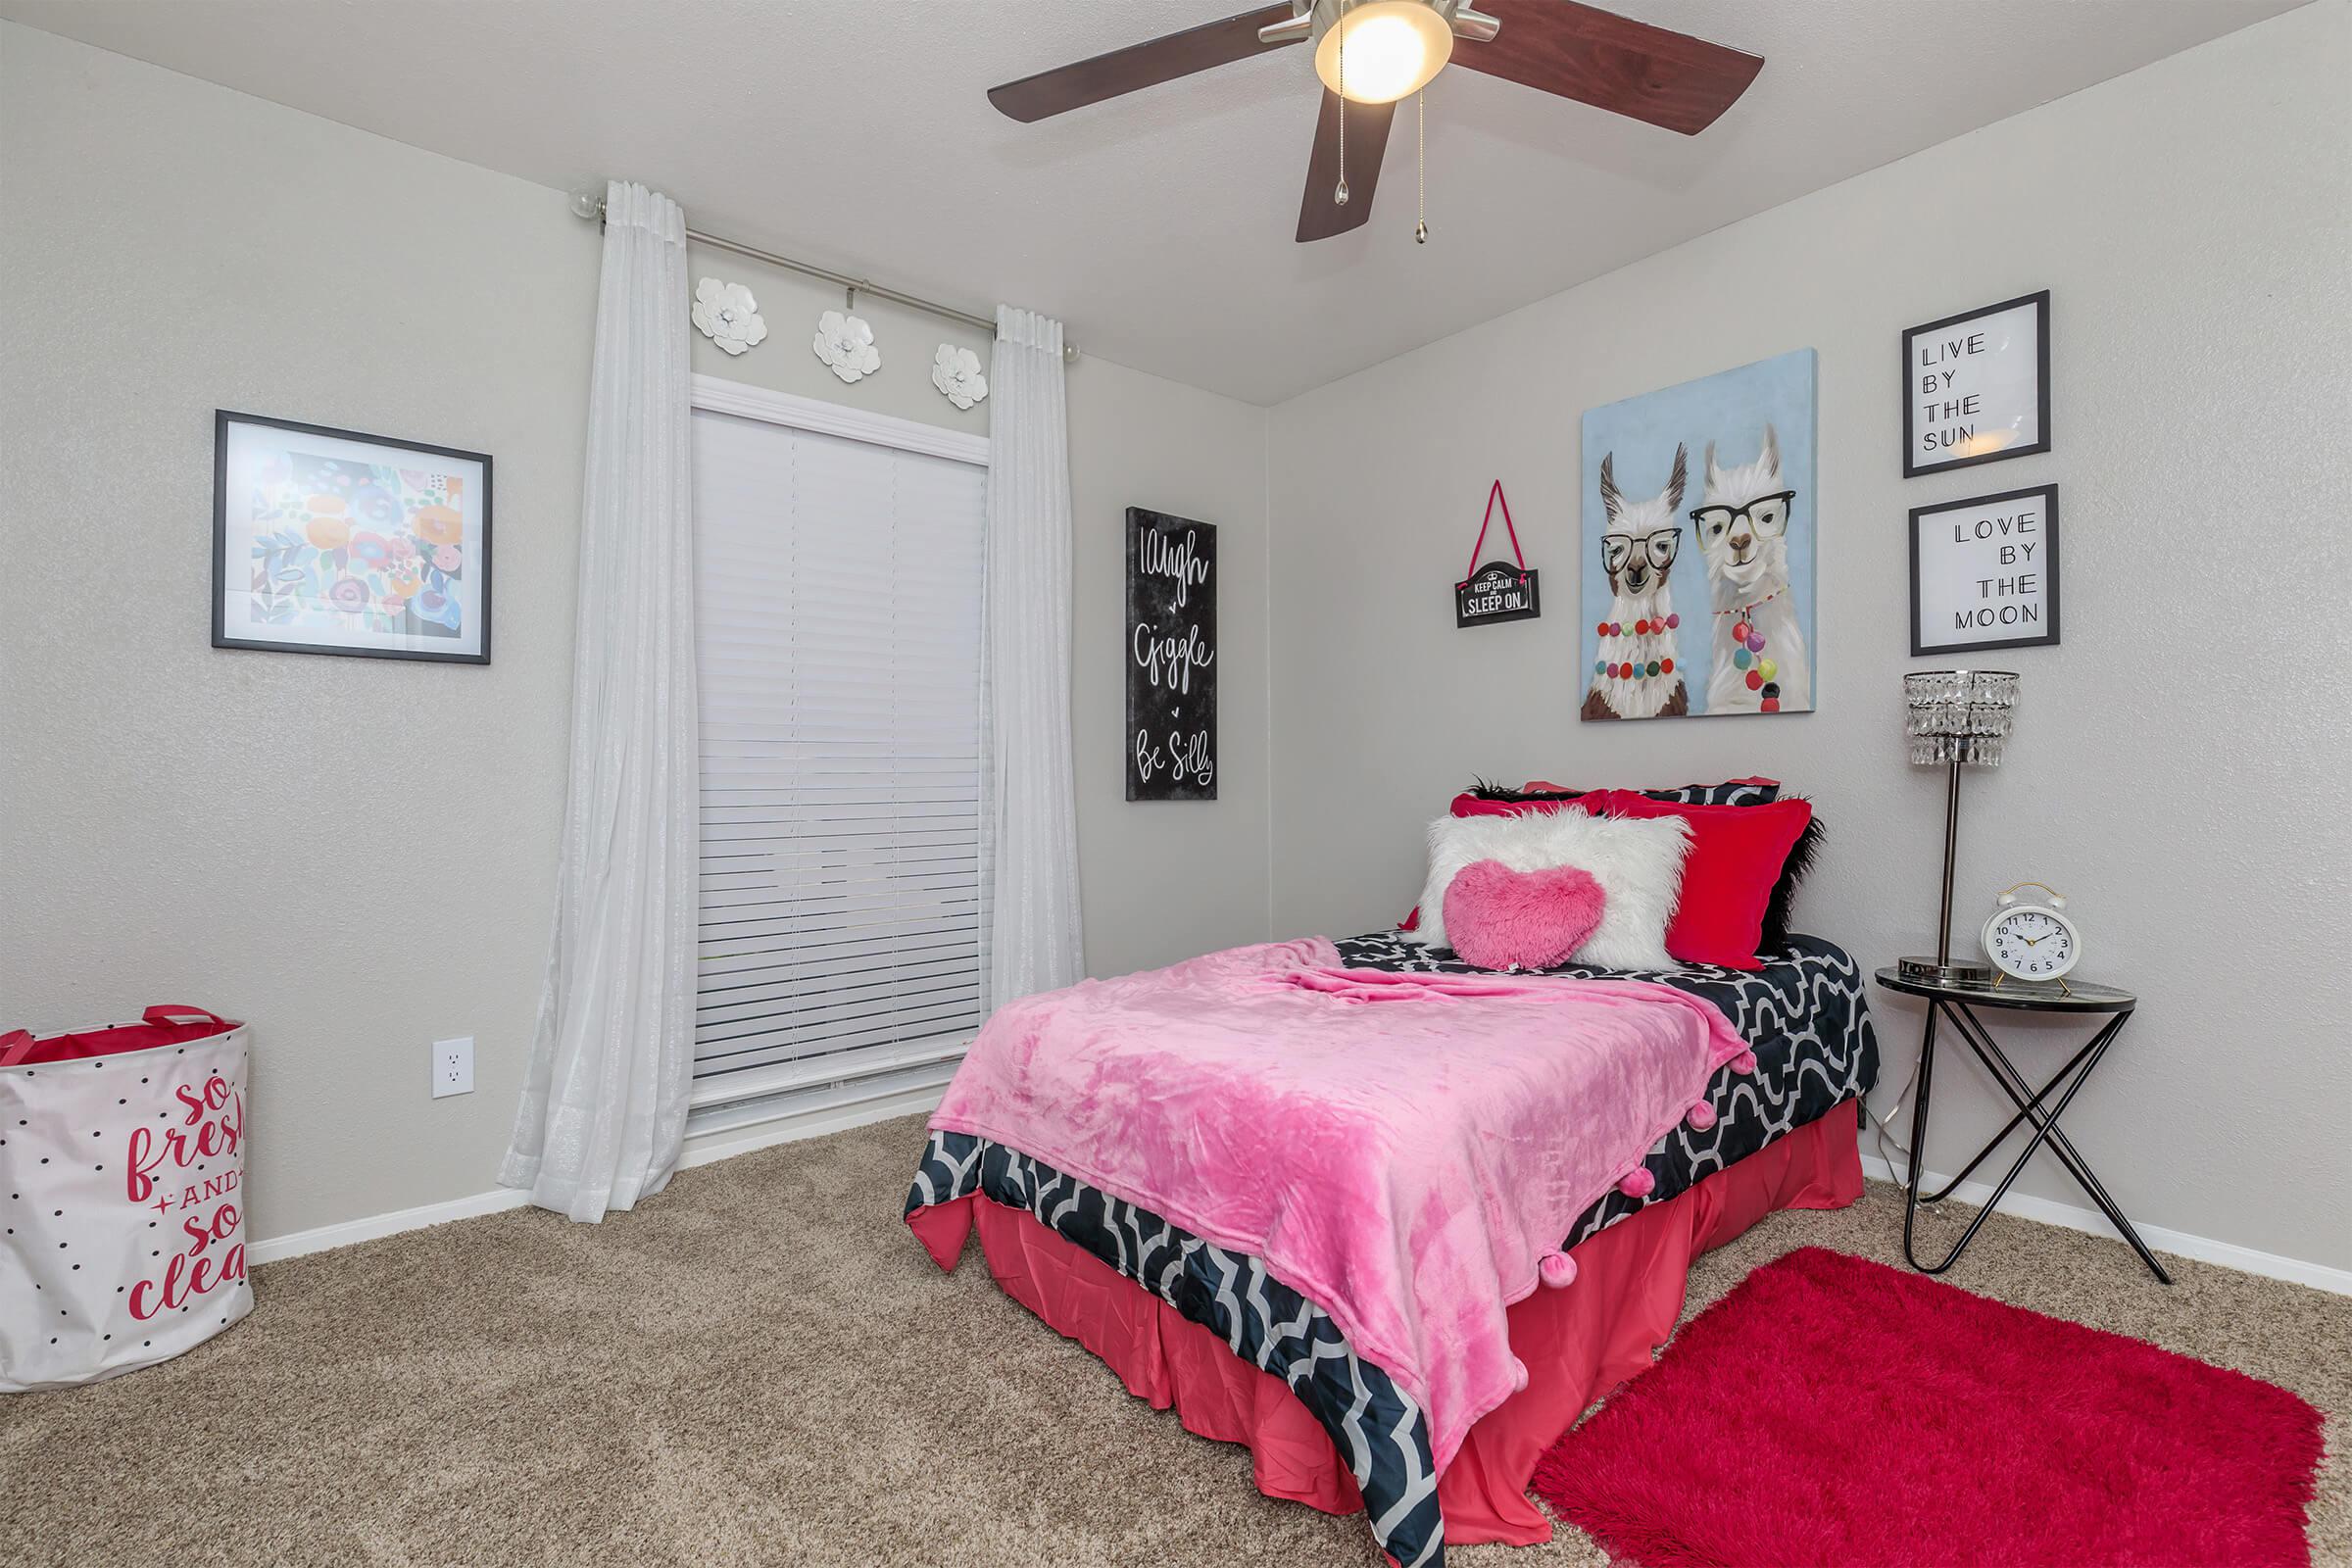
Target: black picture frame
(223,421)
(2040,299)
(2050,569)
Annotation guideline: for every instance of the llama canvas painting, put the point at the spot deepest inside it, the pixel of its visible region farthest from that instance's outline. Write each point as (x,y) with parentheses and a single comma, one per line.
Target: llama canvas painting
(1698,589)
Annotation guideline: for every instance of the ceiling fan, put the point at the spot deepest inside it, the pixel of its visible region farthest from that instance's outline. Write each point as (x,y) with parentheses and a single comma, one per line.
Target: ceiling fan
(1375,52)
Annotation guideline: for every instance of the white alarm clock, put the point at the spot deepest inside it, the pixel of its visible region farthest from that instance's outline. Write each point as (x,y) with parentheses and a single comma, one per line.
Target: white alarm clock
(2031,941)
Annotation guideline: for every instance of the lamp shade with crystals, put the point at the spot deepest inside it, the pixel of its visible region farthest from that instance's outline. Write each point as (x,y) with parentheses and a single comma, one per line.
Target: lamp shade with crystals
(1955,719)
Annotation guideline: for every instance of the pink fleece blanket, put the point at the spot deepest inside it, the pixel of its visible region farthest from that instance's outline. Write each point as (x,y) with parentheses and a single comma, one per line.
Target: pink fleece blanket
(1401,1148)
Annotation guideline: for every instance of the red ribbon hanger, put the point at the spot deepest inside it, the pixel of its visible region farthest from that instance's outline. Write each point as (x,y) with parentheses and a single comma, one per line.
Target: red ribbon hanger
(1495,498)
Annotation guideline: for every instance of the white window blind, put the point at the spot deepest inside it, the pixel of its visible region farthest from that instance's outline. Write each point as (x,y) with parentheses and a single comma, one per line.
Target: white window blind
(838,643)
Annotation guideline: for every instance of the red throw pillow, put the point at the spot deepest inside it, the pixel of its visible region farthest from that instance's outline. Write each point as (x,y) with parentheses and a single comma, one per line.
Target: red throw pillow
(1736,852)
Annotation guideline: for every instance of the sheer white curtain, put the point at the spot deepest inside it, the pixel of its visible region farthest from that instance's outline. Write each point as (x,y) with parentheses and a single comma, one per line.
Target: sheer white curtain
(1031,837)
(603,1108)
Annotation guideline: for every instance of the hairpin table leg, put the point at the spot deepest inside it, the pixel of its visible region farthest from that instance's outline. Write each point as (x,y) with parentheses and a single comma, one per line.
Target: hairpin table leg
(2028,1108)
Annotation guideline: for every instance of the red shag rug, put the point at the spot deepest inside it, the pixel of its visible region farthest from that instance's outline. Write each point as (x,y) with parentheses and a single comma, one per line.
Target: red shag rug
(1831,1410)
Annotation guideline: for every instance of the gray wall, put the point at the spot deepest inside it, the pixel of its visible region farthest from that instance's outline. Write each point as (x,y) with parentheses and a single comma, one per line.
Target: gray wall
(1164,880)
(358,855)
(2180,760)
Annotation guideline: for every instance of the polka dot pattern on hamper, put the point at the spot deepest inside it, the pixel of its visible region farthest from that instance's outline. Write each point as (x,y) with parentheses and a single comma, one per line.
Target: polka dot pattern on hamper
(89,1164)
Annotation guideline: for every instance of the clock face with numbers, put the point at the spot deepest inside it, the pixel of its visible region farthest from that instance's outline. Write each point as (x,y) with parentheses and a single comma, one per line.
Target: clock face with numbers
(2030,942)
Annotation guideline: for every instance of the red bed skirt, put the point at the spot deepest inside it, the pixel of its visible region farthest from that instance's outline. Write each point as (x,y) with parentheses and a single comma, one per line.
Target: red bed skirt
(1578,1342)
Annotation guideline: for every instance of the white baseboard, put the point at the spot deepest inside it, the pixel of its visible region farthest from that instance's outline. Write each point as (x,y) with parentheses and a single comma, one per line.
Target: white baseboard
(372,1226)
(703,1150)
(699,1151)
(2048,1212)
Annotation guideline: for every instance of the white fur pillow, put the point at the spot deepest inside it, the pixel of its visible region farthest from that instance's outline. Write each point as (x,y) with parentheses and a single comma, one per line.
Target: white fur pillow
(1637,861)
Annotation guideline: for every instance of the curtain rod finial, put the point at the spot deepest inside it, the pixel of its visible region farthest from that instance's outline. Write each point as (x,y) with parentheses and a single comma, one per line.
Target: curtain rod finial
(587,203)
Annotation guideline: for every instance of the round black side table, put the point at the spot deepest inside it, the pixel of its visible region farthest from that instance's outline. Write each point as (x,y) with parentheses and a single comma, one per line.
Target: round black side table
(1957,1004)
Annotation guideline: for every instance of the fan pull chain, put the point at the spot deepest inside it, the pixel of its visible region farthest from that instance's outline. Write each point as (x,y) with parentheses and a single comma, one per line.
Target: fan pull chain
(1421,165)
(1340,196)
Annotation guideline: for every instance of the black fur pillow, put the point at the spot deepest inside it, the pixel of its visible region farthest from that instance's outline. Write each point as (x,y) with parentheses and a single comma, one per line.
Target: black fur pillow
(1794,870)
(1502,792)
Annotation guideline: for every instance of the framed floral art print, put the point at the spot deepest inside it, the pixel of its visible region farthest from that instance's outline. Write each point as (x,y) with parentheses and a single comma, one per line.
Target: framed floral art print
(332,542)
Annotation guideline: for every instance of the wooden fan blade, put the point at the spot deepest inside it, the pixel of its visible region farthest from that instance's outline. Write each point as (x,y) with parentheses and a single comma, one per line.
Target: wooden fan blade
(1612,62)
(1319,216)
(1140,64)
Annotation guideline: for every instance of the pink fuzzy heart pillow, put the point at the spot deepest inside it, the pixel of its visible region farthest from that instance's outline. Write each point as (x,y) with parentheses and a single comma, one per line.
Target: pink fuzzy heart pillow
(1500,918)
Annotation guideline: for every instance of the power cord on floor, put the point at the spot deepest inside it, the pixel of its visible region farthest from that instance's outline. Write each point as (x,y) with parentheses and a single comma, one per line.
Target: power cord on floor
(1881,1124)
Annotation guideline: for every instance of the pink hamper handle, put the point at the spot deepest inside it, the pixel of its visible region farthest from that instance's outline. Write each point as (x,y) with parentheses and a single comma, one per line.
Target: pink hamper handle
(172,1011)
(14,1046)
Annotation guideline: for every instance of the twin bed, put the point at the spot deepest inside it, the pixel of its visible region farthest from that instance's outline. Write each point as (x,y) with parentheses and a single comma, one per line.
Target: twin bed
(1391,1220)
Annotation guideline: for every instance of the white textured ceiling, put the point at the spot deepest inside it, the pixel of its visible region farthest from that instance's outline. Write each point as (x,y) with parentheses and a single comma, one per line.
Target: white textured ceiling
(856,133)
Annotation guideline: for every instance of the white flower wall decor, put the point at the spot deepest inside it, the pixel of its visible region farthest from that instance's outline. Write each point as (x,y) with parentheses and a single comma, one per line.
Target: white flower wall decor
(956,373)
(727,315)
(846,343)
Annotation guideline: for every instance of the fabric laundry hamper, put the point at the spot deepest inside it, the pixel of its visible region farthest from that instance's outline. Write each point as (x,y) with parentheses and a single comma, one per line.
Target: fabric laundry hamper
(122,1154)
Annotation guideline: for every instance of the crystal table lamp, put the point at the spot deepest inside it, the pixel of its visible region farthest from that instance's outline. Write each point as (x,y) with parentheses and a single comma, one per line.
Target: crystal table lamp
(1955,719)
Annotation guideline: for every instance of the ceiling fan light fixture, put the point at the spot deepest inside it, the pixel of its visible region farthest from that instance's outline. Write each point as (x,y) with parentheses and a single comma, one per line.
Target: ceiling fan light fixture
(1390,48)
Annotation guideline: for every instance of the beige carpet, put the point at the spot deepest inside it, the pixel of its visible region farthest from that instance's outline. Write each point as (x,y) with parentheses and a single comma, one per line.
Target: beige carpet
(762,1368)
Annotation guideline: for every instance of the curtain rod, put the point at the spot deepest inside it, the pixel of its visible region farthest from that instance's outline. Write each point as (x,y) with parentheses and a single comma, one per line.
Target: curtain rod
(589,205)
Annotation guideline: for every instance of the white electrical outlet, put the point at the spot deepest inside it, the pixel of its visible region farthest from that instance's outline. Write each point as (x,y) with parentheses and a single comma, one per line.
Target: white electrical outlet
(452,1066)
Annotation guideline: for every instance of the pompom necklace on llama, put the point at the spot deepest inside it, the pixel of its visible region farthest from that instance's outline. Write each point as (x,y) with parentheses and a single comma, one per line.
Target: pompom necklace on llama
(1749,654)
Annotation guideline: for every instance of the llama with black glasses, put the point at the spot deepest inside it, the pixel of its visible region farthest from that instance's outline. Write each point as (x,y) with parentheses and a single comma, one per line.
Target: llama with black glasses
(1760,663)
(1634,674)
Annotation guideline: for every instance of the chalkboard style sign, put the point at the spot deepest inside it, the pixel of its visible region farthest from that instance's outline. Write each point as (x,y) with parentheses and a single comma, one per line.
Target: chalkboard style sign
(1495,591)
(1498,590)
(1171,658)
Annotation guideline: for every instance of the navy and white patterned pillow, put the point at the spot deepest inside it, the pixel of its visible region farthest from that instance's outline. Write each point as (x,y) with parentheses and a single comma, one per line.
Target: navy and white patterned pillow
(1735,792)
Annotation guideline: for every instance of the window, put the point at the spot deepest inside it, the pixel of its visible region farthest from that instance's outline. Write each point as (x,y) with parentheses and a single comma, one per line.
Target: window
(837,583)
